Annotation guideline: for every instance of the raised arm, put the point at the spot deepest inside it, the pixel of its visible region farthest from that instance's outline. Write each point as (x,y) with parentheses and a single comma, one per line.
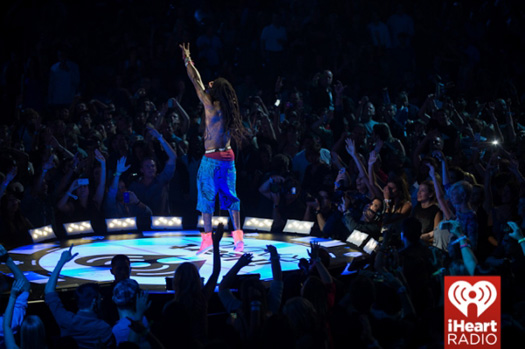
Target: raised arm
(65,257)
(324,274)
(444,167)
(195,76)
(111,196)
(209,287)
(372,178)
(172,155)
(440,195)
(229,278)
(101,188)
(63,204)
(20,286)
(184,117)
(8,178)
(275,261)
(9,337)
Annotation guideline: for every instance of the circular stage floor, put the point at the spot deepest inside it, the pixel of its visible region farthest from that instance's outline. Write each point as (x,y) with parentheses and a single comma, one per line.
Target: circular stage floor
(155,256)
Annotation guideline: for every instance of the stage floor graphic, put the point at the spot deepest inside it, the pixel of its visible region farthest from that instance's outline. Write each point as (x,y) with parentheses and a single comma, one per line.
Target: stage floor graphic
(156,255)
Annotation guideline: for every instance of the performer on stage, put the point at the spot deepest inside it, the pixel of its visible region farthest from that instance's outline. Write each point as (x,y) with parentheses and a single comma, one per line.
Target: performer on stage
(217,173)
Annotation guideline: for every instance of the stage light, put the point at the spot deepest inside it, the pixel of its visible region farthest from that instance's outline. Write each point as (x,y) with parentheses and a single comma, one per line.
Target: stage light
(78,228)
(370,246)
(362,241)
(161,222)
(215,220)
(252,223)
(299,227)
(357,238)
(42,233)
(120,224)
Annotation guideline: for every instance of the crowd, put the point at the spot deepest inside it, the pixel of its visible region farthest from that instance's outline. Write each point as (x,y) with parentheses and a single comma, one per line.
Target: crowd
(404,122)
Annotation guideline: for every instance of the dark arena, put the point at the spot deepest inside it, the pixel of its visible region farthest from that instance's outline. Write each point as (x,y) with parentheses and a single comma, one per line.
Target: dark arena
(261,174)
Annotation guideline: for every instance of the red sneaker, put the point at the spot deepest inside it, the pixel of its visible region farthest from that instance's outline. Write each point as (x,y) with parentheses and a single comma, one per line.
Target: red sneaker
(238,241)
(206,243)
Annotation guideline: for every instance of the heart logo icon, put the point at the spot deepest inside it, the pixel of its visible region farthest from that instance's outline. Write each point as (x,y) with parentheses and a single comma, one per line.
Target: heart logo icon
(461,294)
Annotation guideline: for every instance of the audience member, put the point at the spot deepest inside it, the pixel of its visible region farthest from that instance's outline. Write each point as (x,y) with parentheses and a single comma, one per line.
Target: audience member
(15,314)
(83,326)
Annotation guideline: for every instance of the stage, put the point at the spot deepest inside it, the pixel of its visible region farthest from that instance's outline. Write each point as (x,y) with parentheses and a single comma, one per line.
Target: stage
(155,256)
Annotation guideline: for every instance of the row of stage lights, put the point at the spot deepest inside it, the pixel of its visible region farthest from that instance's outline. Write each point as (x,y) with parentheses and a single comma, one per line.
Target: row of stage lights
(164,222)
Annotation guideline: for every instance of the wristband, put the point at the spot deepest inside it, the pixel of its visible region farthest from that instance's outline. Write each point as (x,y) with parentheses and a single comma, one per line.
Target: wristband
(4,257)
(116,174)
(464,245)
(521,240)
(388,200)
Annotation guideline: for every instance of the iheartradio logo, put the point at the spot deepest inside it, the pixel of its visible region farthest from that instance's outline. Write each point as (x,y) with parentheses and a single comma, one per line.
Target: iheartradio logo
(472,312)
(461,294)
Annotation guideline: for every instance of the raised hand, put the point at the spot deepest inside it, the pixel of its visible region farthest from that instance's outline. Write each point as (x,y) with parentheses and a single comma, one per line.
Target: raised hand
(516,233)
(314,250)
(100,158)
(431,170)
(273,251)
(438,154)
(185,47)
(121,165)
(67,255)
(153,132)
(350,146)
(48,164)
(18,287)
(143,303)
(245,259)
(217,234)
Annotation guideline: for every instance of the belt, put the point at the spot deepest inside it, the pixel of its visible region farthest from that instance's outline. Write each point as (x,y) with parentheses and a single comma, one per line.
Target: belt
(208,151)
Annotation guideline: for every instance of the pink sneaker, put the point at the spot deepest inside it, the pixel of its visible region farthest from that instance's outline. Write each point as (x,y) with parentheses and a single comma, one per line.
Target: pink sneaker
(238,241)
(206,243)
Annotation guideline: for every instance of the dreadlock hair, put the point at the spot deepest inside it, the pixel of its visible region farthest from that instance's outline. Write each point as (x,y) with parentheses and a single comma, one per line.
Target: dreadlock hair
(223,92)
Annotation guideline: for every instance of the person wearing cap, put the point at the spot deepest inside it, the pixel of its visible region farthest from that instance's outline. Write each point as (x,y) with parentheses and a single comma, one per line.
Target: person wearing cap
(131,304)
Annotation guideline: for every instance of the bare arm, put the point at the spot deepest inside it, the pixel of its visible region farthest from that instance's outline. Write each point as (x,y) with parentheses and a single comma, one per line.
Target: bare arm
(195,76)
(184,117)
(372,179)
(65,257)
(440,195)
(229,278)
(324,274)
(9,337)
(212,280)
(101,188)
(172,155)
